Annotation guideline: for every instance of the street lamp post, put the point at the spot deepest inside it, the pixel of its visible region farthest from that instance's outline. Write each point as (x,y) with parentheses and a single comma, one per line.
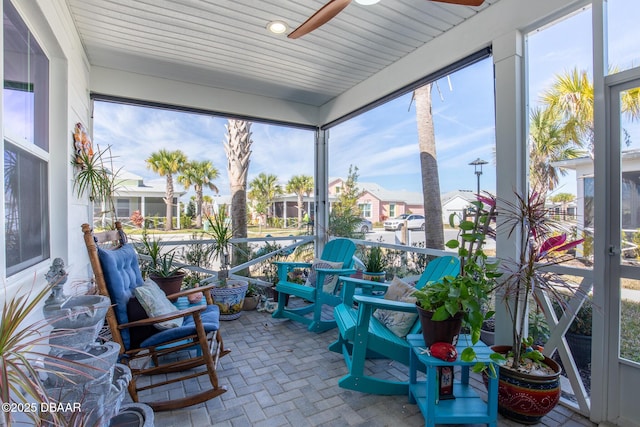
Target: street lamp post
(477,166)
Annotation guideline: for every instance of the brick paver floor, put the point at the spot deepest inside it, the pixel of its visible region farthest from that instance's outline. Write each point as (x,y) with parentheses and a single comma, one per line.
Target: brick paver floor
(279,374)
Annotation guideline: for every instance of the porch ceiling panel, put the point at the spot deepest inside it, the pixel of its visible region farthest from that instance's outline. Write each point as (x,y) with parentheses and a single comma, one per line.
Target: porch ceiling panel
(224,43)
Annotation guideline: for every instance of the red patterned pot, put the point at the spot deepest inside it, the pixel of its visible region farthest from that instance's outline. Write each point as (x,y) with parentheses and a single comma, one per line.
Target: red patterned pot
(527,398)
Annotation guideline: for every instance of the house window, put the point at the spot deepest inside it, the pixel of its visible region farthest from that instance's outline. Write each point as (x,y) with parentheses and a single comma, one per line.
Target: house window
(365,209)
(392,210)
(123,208)
(26,157)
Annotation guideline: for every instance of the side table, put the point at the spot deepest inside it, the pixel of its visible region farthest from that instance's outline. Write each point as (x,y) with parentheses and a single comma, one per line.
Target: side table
(467,407)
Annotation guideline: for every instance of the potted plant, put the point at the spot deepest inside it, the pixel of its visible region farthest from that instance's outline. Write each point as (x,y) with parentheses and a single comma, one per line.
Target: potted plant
(160,267)
(219,228)
(444,306)
(168,276)
(541,243)
(374,264)
(251,298)
(229,295)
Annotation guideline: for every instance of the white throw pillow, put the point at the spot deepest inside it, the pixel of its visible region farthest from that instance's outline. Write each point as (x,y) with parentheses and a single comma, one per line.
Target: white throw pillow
(398,322)
(330,280)
(155,303)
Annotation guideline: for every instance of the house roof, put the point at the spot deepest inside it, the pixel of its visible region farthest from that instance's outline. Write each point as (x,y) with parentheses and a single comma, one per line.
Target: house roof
(129,184)
(383,194)
(467,195)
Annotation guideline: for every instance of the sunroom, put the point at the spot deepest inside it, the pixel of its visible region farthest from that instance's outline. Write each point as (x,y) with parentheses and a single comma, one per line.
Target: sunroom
(217,58)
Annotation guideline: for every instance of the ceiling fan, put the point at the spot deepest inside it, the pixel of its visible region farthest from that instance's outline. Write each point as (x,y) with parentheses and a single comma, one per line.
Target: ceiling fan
(333,7)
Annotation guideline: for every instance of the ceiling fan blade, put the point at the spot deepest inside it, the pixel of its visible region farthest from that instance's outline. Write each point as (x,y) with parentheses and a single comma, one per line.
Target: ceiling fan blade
(321,17)
(462,2)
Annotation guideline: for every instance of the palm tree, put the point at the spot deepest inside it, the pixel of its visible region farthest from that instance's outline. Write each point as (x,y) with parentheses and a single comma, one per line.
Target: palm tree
(263,189)
(300,185)
(548,144)
(434,233)
(238,149)
(565,124)
(167,163)
(571,94)
(200,174)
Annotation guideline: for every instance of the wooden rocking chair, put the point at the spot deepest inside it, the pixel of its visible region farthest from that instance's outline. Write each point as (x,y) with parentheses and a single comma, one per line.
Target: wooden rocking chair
(177,350)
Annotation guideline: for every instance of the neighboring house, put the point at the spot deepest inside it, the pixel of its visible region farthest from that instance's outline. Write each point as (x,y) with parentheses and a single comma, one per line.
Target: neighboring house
(456,202)
(378,203)
(132,194)
(630,200)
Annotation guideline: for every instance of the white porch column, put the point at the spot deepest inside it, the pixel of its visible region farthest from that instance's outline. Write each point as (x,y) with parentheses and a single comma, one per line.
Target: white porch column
(321,181)
(511,150)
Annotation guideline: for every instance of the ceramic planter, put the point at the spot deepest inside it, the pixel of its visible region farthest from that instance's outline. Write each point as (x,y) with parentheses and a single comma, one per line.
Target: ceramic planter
(440,330)
(230,298)
(526,398)
(377,276)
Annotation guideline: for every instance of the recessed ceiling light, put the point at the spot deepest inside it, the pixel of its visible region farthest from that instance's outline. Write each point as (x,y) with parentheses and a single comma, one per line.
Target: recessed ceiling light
(367,2)
(277,27)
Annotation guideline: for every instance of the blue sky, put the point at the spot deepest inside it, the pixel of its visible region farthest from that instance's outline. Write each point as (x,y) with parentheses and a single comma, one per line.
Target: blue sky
(382,142)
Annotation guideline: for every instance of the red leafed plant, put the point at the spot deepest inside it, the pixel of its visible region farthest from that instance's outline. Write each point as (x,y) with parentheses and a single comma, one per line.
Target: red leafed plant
(541,243)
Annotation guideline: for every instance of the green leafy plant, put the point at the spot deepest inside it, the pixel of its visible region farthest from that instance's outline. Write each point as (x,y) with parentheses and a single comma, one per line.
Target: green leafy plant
(470,290)
(164,266)
(252,290)
(160,264)
(220,230)
(374,259)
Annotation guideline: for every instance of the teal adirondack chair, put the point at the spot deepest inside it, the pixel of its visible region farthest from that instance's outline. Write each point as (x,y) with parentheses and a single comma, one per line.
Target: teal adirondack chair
(338,250)
(362,336)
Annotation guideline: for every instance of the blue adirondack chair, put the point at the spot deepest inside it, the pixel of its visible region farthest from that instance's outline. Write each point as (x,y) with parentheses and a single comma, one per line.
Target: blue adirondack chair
(362,336)
(338,250)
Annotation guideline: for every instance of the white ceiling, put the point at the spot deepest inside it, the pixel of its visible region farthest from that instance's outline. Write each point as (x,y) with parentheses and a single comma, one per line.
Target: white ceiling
(224,43)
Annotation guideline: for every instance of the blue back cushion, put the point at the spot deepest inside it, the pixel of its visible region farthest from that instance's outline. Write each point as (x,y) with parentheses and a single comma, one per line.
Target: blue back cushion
(122,275)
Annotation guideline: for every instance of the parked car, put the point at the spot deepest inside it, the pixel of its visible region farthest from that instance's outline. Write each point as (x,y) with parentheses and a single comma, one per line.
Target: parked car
(414,222)
(365,226)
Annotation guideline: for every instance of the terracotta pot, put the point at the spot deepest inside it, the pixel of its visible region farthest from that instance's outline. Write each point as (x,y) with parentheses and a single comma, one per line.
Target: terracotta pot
(170,285)
(440,330)
(250,303)
(526,398)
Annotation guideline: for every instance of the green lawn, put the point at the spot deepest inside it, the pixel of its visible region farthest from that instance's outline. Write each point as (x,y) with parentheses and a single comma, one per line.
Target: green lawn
(630,331)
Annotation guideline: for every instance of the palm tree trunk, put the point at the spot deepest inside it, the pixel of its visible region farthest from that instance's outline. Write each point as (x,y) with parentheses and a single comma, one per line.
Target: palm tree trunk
(300,208)
(169,201)
(199,199)
(238,149)
(434,233)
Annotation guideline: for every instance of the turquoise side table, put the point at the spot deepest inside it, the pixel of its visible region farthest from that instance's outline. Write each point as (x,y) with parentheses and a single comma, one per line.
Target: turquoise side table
(467,407)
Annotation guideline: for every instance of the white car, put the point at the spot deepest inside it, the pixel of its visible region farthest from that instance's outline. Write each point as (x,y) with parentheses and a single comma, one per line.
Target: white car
(414,222)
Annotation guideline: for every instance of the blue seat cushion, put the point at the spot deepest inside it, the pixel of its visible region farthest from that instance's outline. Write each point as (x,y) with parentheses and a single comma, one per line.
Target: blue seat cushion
(121,275)
(210,320)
